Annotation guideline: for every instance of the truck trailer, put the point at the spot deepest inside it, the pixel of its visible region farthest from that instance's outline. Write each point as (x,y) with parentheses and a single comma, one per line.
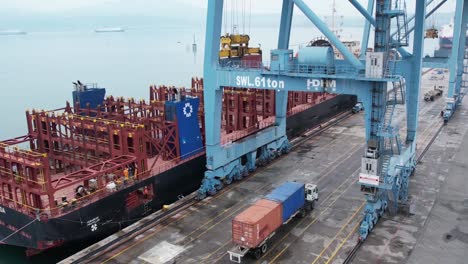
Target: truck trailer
(432,94)
(253,227)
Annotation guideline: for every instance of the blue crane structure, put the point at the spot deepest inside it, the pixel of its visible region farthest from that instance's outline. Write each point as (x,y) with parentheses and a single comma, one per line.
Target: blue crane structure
(381,79)
(457,85)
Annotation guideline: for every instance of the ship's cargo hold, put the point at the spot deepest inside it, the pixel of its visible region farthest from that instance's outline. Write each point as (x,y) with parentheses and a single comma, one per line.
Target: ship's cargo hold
(291,195)
(252,229)
(256,223)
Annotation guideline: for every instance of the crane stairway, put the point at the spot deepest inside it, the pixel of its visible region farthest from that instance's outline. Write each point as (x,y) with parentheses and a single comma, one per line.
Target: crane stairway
(464,81)
(402,26)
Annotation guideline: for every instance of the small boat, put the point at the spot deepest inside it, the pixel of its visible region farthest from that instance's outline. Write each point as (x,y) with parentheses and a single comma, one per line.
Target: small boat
(106,30)
(13,32)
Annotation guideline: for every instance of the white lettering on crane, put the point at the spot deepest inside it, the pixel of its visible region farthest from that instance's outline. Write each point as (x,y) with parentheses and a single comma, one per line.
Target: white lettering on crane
(316,84)
(242,80)
(259,82)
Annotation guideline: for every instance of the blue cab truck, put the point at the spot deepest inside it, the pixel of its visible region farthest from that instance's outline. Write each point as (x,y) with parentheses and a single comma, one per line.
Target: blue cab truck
(296,198)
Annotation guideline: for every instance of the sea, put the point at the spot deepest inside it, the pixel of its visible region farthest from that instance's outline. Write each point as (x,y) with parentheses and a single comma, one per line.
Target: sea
(37,70)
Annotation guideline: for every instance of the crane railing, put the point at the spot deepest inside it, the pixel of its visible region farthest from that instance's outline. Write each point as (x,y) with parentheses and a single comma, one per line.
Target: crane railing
(306,68)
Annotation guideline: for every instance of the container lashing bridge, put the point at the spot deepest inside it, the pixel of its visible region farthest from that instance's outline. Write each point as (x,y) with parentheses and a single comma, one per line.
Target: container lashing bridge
(381,79)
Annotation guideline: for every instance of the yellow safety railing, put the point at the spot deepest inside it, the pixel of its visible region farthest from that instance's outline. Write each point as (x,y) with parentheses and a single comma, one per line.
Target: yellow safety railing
(15,149)
(88,198)
(75,117)
(17,176)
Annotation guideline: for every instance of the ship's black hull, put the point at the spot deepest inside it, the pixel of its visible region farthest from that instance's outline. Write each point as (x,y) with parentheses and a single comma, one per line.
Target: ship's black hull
(300,122)
(102,217)
(111,214)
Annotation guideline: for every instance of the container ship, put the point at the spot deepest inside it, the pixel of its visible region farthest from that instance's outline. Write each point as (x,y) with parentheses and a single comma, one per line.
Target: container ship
(102,162)
(446,41)
(109,30)
(12,32)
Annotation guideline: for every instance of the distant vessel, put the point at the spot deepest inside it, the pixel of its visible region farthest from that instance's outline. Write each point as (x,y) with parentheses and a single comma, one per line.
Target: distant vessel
(446,41)
(194,45)
(106,30)
(12,32)
(446,36)
(354,46)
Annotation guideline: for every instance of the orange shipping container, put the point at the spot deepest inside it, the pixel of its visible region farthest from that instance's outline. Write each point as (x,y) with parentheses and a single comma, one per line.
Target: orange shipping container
(256,223)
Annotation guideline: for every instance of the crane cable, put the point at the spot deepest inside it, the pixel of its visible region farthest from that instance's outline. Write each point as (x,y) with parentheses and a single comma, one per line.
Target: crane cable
(239,15)
(236,18)
(243,17)
(250,14)
(232,16)
(225,17)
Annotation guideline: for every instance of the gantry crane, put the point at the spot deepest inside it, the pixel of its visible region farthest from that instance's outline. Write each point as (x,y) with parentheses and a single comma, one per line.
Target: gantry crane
(380,79)
(457,85)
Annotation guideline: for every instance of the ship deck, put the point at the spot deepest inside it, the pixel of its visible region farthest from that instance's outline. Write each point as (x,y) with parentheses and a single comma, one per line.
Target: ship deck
(434,231)
(158,165)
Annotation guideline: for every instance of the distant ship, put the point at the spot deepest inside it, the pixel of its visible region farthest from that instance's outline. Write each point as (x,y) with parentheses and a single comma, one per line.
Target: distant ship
(106,30)
(446,36)
(12,32)
(446,40)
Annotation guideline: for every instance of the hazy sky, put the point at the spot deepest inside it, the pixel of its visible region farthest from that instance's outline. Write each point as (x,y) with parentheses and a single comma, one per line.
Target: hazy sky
(163,6)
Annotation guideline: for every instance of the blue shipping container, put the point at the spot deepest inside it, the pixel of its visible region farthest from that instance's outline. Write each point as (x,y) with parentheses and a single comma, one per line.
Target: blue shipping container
(291,195)
(185,112)
(92,96)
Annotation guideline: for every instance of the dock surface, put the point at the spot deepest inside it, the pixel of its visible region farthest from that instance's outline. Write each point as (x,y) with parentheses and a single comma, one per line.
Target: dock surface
(434,231)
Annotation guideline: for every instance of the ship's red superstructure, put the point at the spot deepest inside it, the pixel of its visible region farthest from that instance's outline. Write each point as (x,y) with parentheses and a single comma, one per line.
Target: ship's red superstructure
(73,147)
(89,148)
